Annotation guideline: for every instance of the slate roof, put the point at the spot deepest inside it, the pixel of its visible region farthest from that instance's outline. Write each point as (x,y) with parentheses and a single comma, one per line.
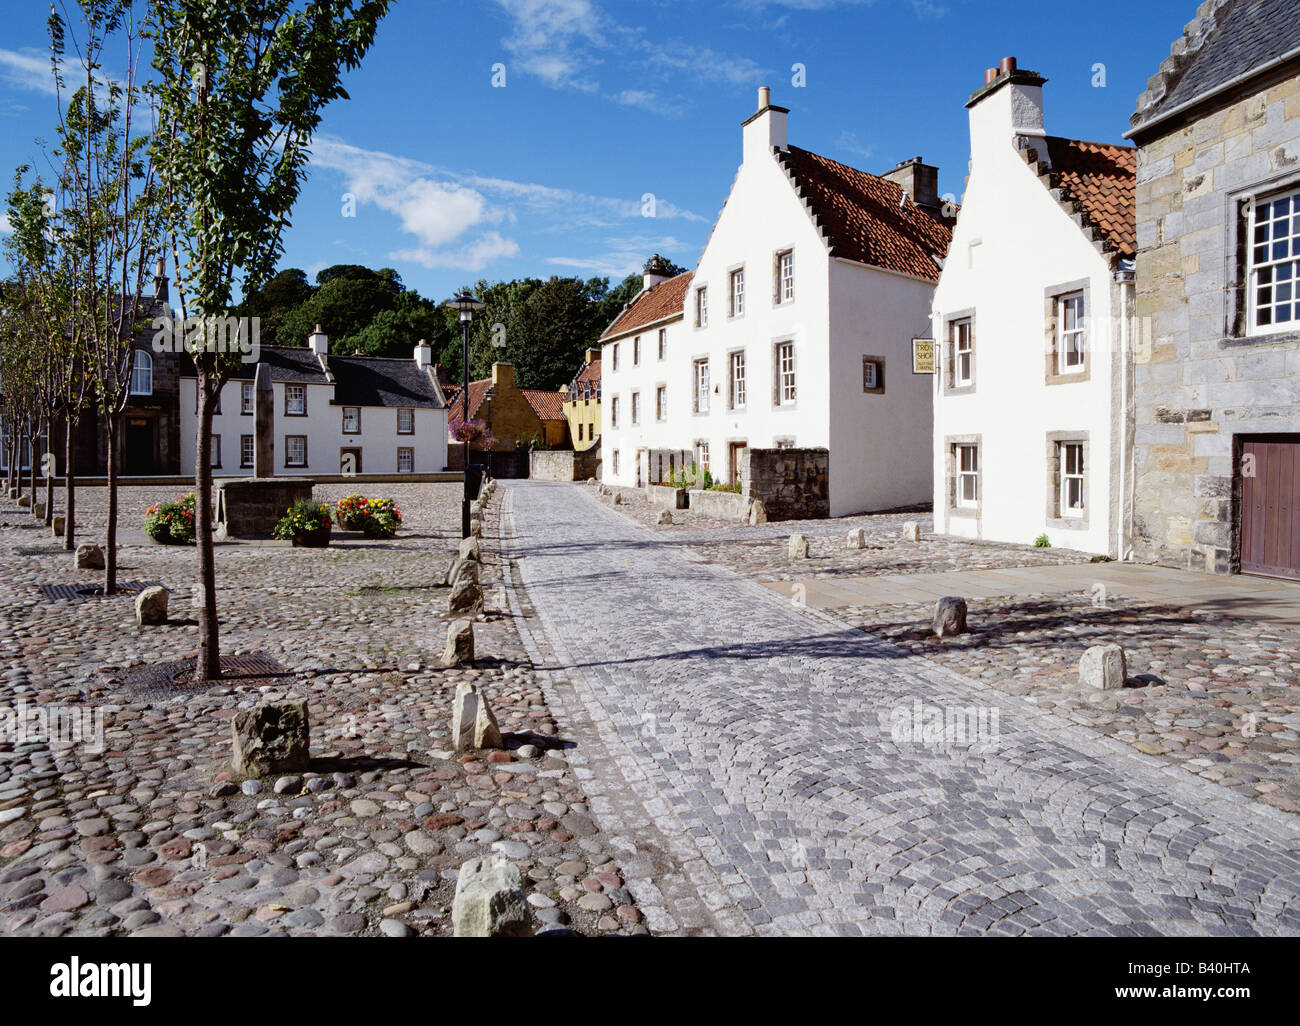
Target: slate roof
(665,300)
(864,217)
(1100,181)
(289,365)
(1233,39)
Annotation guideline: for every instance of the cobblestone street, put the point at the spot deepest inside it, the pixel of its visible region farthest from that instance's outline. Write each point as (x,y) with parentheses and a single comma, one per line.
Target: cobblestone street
(744,756)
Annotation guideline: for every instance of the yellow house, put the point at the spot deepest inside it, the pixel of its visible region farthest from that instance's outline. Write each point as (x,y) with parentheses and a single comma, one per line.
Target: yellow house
(581,403)
(517,417)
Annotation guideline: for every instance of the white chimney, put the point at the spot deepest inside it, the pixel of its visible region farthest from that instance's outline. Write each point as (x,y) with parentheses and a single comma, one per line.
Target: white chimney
(656,273)
(1006,108)
(319,342)
(423,355)
(766,129)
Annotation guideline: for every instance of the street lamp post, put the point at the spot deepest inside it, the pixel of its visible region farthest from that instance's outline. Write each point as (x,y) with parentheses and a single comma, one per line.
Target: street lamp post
(466,304)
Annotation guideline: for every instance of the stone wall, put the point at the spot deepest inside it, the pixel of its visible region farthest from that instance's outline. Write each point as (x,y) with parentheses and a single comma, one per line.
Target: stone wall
(250,508)
(1201,380)
(667,497)
(564,465)
(792,484)
(723,505)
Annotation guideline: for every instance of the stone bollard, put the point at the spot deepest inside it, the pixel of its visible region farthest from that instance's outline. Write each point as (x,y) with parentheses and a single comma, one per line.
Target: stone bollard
(857,538)
(463,570)
(757,512)
(460,643)
(89,557)
(38,511)
(56,526)
(1103,668)
(151,607)
(489,900)
(473,726)
(618,499)
(665,517)
(466,597)
(271,738)
(911,531)
(476,528)
(468,549)
(798,547)
(950,616)
(25,501)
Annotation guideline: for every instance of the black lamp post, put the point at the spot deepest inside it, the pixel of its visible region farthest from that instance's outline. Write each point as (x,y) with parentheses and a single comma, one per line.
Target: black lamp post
(466,304)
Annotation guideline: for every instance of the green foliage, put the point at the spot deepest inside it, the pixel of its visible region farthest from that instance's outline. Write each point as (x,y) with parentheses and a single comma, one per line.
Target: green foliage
(378,518)
(172,522)
(1042,542)
(305,516)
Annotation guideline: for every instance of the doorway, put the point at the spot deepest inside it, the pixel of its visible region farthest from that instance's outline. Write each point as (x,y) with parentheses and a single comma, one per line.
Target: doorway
(138,448)
(1269,470)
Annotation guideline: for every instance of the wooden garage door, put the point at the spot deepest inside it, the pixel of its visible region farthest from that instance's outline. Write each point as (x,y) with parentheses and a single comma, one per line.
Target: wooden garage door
(1270,507)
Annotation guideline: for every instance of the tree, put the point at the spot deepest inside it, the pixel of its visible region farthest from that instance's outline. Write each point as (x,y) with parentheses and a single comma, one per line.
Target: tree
(111,218)
(343,305)
(285,292)
(242,86)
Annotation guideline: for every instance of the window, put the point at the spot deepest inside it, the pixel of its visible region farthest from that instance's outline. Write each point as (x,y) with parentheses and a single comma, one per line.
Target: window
(736,381)
(785,443)
(1275,263)
(783,287)
(700,386)
(963,348)
(1071,332)
(247,447)
(216,452)
(702,455)
(247,400)
(616,462)
(615,367)
(968,476)
(636,351)
(783,375)
(636,407)
(406,422)
(613,412)
(142,373)
(406,461)
(737,294)
(663,343)
(352,420)
(295,450)
(702,307)
(661,403)
(1072,496)
(873,375)
(295,400)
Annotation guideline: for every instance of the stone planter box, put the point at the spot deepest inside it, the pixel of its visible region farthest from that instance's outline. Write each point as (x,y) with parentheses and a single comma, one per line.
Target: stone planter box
(668,497)
(724,505)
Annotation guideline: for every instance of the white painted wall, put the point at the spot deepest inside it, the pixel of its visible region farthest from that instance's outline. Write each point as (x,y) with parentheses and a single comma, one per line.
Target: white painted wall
(323,427)
(1012,243)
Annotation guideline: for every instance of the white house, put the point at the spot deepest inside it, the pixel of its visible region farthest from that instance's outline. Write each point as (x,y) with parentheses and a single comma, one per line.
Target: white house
(351,415)
(1034,320)
(794,330)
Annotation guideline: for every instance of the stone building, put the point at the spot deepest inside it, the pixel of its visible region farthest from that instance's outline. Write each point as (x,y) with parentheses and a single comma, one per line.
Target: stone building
(519,419)
(581,402)
(1217,446)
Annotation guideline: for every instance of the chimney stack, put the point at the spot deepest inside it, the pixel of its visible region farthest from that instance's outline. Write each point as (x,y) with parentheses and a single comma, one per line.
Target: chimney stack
(503,376)
(920,181)
(160,281)
(655,273)
(767,129)
(1006,108)
(319,343)
(423,355)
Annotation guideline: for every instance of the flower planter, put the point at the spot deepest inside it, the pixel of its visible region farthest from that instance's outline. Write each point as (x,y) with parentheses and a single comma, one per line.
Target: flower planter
(167,539)
(317,539)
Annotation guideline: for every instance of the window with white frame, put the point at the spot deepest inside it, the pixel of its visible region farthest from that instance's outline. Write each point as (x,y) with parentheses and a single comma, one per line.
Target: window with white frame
(247,448)
(784,391)
(295,450)
(702,307)
(247,404)
(406,461)
(700,386)
(736,295)
(142,373)
(613,412)
(636,407)
(216,452)
(406,422)
(968,475)
(1072,497)
(1071,332)
(784,443)
(736,381)
(352,420)
(663,343)
(614,362)
(636,351)
(661,403)
(783,287)
(295,400)
(616,462)
(702,455)
(1275,263)
(963,350)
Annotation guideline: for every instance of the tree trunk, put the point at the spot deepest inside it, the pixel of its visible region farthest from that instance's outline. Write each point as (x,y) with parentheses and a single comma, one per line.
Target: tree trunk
(31,473)
(209,663)
(110,533)
(18,462)
(70,488)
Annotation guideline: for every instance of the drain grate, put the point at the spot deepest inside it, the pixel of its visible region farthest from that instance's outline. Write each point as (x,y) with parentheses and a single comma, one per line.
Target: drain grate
(85,592)
(167,680)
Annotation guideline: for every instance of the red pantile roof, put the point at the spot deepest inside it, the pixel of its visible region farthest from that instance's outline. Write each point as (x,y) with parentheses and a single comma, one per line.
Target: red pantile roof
(477,390)
(590,372)
(667,299)
(1098,180)
(865,218)
(548,405)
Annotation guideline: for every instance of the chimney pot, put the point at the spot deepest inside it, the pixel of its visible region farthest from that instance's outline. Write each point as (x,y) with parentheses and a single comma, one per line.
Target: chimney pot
(764,97)
(990,75)
(1008,65)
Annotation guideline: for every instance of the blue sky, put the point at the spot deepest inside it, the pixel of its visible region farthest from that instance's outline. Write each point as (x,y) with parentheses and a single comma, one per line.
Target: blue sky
(456,178)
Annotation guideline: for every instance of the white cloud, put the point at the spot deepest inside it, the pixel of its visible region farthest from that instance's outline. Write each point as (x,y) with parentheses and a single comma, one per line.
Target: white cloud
(848,143)
(27,69)
(6,226)
(473,257)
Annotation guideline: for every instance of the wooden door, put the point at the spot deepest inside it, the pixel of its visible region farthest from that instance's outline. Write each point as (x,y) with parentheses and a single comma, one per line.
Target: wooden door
(1270,507)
